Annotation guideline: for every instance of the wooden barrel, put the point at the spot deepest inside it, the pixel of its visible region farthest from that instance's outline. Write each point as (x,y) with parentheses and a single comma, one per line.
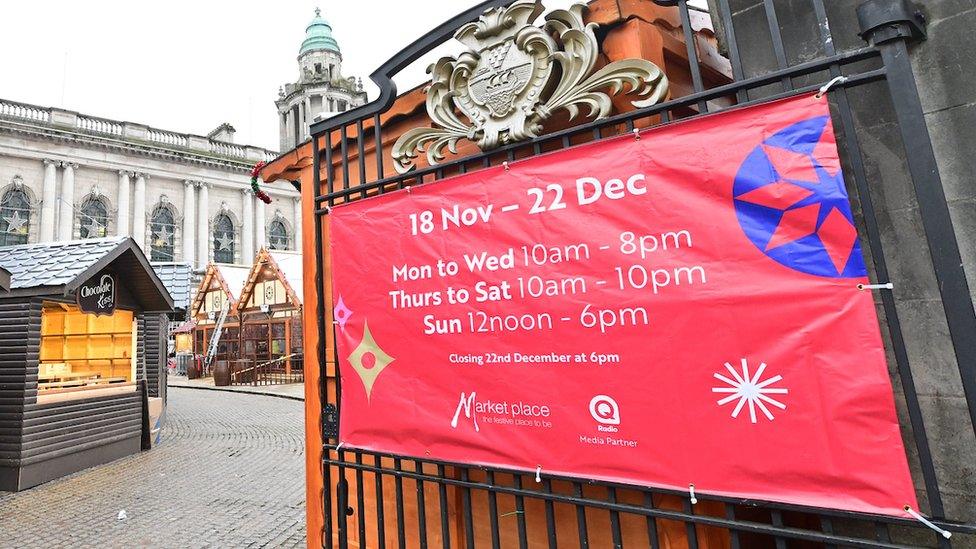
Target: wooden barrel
(221,374)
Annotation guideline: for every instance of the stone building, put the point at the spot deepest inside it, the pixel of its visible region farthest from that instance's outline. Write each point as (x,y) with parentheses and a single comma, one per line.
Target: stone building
(321,90)
(182,197)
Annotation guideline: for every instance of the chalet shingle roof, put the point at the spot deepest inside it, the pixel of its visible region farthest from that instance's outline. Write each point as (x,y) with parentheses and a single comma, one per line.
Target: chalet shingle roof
(176,277)
(59,268)
(54,263)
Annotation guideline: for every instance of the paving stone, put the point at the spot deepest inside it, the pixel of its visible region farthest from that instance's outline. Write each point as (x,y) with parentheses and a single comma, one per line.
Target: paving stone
(229,472)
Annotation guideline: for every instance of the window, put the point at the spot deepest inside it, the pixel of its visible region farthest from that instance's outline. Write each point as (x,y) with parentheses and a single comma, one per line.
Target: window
(14,217)
(162,236)
(81,352)
(342,106)
(94,218)
(278,235)
(223,243)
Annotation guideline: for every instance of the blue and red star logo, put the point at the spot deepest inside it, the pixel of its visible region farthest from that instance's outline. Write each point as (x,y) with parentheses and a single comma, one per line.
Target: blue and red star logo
(792,204)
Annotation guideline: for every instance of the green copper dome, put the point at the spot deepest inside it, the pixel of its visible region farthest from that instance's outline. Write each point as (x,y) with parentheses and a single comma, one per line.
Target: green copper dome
(318,36)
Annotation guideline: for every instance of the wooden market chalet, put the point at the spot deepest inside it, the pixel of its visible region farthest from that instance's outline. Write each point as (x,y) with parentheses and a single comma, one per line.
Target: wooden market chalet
(83,329)
(248,321)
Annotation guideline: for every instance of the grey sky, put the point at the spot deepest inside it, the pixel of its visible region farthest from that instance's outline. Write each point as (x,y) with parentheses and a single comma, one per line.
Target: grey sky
(189,65)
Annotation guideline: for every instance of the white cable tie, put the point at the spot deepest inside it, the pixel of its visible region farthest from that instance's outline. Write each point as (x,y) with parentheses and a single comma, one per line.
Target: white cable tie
(328,210)
(506,166)
(888,286)
(538,474)
(637,134)
(826,87)
(691,490)
(409,188)
(339,446)
(945,533)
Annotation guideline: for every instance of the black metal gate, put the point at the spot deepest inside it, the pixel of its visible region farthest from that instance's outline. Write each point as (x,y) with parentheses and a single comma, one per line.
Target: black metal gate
(435,502)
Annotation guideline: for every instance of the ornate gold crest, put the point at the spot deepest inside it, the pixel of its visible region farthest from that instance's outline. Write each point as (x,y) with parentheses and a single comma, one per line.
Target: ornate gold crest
(515,76)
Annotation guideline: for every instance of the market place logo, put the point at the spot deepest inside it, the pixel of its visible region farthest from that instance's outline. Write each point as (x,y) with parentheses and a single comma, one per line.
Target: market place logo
(466,405)
(97,296)
(792,204)
(369,360)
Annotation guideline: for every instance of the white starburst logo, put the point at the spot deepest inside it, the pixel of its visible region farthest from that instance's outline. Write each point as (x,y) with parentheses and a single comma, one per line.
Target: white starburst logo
(750,390)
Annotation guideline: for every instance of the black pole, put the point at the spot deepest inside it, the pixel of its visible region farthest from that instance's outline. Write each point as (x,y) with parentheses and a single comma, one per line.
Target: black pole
(890,27)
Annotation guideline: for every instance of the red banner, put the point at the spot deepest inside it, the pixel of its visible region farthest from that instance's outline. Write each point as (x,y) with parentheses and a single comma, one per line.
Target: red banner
(683,308)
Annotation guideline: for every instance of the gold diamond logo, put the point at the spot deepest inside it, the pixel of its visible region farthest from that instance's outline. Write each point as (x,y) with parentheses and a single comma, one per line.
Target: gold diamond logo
(369,360)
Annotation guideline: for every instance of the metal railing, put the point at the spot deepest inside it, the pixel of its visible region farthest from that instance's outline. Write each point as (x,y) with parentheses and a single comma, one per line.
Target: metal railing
(281,371)
(570,507)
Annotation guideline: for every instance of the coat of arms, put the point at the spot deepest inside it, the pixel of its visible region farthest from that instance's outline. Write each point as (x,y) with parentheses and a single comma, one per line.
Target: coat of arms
(515,76)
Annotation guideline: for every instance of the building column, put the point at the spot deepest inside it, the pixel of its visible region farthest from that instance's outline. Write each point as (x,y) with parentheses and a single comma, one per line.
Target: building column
(139,211)
(260,229)
(122,214)
(290,128)
(247,228)
(203,225)
(309,117)
(189,242)
(298,224)
(283,131)
(49,201)
(66,221)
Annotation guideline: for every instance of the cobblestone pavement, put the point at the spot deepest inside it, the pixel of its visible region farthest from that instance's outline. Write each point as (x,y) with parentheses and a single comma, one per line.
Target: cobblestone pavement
(229,472)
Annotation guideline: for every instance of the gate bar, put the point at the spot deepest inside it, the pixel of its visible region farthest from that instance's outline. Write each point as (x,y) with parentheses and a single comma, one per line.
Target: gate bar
(889,29)
(465,484)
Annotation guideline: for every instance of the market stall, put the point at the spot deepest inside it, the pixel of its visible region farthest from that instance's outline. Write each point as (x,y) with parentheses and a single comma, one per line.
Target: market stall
(80,346)
(214,310)
(270,311)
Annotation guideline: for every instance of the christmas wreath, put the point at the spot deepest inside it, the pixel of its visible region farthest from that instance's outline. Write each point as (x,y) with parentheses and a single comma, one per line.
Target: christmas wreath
(255,173)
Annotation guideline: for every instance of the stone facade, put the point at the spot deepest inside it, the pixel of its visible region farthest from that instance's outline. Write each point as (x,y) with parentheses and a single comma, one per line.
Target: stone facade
(942,65)
(184,198)
(321,90)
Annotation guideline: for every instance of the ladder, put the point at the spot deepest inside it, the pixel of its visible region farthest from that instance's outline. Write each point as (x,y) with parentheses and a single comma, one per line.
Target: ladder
(215,338)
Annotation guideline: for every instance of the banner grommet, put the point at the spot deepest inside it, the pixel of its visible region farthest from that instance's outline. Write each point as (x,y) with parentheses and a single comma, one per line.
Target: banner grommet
(887,286)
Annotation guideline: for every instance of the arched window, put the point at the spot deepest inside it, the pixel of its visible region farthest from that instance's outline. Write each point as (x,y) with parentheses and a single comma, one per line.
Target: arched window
(223,243)
(94,218)
(14,217)
(163,234)
(277,235)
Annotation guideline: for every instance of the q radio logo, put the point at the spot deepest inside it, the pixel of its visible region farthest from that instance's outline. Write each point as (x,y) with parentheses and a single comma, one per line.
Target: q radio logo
(606,412)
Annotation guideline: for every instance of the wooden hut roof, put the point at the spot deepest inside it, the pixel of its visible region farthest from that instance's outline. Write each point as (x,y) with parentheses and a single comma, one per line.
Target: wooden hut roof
(230,278)
(288,268)
(59,268)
